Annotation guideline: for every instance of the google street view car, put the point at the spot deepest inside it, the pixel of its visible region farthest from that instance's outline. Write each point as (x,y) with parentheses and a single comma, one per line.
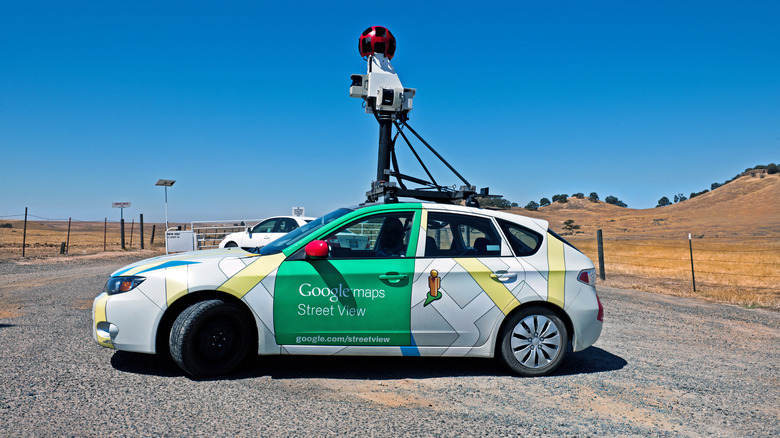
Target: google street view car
(430,280)
(382,279)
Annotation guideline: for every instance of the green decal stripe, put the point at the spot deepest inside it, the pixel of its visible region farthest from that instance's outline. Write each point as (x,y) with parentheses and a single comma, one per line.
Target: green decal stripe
(497,291)
(557,271)
(249,277)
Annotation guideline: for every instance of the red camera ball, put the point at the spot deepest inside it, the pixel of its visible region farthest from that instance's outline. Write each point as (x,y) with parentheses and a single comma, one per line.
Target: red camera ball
(377,39)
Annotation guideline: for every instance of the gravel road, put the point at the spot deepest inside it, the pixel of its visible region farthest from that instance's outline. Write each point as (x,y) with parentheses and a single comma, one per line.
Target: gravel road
(664,366)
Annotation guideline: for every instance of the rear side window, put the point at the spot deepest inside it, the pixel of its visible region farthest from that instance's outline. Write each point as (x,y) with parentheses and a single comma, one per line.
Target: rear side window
(524,242)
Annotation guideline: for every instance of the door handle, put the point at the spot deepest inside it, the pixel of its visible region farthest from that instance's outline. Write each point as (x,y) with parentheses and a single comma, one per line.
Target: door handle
(393,278)
(504,277)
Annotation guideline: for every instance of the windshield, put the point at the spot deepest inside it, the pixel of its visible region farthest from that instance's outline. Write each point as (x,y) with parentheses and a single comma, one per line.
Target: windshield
(296,235)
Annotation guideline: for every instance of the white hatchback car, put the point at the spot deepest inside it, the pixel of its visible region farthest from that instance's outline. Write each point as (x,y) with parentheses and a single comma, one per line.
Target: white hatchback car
(265,232)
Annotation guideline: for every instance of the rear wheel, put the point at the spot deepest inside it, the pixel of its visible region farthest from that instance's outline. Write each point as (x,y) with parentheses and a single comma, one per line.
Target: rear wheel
(211,338)
(534,342)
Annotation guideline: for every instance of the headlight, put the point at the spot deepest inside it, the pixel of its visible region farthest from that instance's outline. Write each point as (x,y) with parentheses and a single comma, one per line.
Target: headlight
(118,285)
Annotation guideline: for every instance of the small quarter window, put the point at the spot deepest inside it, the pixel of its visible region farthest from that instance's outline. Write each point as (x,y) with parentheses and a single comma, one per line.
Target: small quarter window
(524,242)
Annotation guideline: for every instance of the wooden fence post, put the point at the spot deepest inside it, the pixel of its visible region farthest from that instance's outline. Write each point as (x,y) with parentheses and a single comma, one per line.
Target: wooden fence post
(24,234)
(67,243)
(105,231)
(151,241)
(142,231)
(122,232)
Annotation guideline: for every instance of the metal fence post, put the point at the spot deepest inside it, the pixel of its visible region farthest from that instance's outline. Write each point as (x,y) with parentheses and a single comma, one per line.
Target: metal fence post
(600,239)
(693,273)
(122,232)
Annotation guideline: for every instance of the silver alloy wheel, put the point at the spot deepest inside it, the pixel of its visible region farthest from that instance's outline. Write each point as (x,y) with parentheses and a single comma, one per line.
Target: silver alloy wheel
(535,341)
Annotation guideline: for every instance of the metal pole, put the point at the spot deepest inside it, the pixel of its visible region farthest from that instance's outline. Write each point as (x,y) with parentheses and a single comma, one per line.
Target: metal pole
(600,238)
(166,209)
(24,234)
(385,144)
(693,274)
(105,231)
(142,231)
(122,231)
(67,244)
(132,225)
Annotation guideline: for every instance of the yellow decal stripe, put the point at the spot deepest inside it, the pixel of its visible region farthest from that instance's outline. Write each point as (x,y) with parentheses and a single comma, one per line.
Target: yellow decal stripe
(100,316)
(424,220)
(247,278)
(496,290)
(175,283)
(557,271)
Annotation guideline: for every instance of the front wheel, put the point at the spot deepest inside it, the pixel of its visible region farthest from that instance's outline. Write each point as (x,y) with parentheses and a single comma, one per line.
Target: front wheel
(534,342)
(231,245)
(211,338)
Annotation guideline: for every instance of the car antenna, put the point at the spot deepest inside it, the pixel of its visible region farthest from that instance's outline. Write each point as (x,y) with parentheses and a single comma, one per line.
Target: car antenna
(390,103)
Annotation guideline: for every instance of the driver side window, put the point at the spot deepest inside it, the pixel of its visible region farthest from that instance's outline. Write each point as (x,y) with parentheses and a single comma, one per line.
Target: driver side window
(379,236)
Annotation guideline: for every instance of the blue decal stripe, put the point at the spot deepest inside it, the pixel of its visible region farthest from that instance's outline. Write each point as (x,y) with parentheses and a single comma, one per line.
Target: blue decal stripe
(171,264)
(411,350)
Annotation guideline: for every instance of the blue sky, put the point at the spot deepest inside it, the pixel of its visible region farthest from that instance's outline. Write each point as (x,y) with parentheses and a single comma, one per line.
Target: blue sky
(246,104)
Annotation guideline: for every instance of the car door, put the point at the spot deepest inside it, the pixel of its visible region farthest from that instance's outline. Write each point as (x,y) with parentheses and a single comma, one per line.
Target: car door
(355,296)
(465,281)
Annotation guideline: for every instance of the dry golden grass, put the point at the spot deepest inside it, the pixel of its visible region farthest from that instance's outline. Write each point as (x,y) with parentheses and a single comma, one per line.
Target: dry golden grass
(736,245)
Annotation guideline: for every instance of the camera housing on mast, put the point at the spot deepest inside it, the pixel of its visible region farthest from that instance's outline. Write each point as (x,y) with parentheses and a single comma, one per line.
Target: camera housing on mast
(381,88)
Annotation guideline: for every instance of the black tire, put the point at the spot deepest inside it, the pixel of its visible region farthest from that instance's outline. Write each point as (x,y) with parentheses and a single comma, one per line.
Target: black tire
(211,338)
(533,342)
(231,245)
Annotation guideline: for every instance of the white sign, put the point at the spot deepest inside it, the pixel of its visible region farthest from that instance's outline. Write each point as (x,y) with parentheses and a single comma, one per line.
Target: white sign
(120,205)
(179,241)
(298,211)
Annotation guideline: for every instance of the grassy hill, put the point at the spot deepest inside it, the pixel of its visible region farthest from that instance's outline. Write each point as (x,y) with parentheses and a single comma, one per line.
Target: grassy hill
(748,207)
(736,242)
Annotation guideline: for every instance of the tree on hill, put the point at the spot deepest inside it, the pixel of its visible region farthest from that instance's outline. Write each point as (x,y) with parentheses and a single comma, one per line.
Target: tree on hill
(593,197)
(663,202)
(532,206)
(614,201)
(679,198)
(695,194)
(564,198)
(579,195)
(569,226)
(544,202)
(498,203)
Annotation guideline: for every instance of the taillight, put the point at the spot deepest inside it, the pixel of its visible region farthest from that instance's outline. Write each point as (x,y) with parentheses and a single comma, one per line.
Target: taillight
(587,276)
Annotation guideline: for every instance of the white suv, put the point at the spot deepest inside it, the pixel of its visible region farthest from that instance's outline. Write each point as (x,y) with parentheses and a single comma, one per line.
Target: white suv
(265,232)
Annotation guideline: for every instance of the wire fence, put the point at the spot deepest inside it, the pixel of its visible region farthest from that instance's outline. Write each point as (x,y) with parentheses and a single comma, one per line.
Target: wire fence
(739,265)
(40,236)
(744,271)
